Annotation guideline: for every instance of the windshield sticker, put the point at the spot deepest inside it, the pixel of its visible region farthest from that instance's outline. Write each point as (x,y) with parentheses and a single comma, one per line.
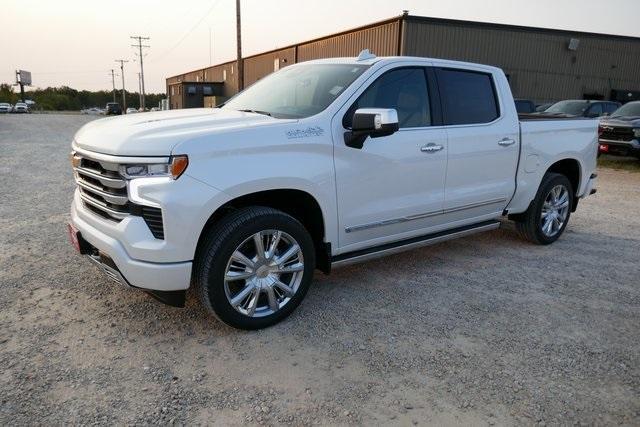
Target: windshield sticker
(305,133)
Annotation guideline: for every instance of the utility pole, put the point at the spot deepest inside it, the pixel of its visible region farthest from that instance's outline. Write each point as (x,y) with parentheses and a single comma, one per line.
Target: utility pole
(140,46)
(113,82)
(140,89)
(124,98)
(239,47)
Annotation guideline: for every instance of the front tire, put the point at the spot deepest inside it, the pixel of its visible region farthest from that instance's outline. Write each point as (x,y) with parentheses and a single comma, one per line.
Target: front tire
(254,267)
(548,214)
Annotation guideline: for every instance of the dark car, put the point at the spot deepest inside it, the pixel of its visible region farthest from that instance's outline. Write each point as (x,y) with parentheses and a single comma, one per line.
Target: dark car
(543,107)
(582,108)
(525,106)
(113,108)
(620,133)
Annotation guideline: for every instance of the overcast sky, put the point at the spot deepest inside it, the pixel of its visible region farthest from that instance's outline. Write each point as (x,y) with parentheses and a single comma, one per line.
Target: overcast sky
(75,42)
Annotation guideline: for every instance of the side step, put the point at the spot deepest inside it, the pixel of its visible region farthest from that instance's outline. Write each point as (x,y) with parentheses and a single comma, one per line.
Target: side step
(413,243)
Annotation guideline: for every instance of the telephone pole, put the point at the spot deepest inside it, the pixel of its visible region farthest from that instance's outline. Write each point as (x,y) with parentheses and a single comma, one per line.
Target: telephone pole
(140,89)
(113,82)
(140,46)
(124,98)
(239,47)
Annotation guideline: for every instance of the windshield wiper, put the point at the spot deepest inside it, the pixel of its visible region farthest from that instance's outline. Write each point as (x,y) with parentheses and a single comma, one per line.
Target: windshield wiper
(266,113)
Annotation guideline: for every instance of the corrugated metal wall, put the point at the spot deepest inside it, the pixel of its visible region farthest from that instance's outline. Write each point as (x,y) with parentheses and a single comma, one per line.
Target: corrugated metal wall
(256,67)
(381,40)
(539,64)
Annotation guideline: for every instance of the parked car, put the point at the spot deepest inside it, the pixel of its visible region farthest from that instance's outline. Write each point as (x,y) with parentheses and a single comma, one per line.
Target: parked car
(543,107)
(5,107)
(95,111)
(113,108)
(620,133)
(525,106)
(131,110)
(582,108)
(155,109)
(21,107)
(321,164)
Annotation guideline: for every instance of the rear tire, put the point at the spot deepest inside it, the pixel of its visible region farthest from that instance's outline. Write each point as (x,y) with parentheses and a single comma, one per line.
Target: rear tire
(548,214)
(254,267)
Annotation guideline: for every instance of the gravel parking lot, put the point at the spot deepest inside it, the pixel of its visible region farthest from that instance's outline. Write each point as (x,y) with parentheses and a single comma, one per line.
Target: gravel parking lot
(484,330)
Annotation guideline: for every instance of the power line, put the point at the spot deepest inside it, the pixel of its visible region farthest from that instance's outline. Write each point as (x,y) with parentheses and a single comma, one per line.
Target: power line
(197,24)
(141,76)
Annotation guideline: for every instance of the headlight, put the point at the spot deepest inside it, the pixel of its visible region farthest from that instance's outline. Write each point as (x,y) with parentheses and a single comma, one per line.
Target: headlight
(636,132)
(176,167)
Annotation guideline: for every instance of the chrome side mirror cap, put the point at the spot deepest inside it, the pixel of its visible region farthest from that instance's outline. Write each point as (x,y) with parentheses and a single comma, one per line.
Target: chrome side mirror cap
(371,122)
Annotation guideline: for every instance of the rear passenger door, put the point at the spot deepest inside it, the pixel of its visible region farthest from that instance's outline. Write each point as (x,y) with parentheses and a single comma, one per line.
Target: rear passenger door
(483,144)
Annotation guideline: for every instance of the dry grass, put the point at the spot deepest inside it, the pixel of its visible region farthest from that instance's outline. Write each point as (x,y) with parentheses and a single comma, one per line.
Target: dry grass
(619,163)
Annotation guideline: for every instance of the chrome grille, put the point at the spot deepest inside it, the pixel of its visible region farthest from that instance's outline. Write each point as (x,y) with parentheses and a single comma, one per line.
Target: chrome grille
(104,192)
(102,189)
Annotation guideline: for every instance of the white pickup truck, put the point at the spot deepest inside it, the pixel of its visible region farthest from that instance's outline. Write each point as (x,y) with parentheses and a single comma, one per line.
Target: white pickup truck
(320,164)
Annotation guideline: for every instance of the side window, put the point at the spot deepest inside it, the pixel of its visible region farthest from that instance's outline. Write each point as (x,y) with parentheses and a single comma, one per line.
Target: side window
(595,110)
(468,97)
(405,90)
(610,107)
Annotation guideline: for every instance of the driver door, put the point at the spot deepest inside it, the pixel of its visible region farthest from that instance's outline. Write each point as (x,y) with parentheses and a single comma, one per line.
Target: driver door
(392,188)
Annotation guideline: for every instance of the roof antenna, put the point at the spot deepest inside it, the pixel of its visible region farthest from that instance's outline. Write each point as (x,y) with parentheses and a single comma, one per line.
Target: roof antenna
(365,54)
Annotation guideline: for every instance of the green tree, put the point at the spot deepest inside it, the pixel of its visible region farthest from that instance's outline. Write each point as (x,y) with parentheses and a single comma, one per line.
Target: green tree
(7,94)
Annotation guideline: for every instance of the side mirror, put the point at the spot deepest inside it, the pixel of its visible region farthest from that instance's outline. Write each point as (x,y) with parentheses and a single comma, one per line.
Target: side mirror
(373,122)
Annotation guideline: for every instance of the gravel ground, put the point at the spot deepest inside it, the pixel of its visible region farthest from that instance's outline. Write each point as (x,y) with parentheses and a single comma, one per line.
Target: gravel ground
(484,330)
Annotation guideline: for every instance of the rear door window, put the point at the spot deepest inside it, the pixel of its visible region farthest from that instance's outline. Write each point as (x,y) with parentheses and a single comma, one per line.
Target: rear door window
(468,97)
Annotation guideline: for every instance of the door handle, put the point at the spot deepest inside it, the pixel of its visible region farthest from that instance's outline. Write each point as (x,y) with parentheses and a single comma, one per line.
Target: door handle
(431,148)
(505,142)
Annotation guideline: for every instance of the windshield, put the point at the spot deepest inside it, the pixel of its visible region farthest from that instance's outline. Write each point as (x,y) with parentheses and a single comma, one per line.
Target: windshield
(298,91)
(576,108)
(630,109)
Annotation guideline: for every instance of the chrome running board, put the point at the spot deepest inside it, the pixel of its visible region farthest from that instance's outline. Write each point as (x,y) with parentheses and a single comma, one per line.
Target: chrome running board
(413,243)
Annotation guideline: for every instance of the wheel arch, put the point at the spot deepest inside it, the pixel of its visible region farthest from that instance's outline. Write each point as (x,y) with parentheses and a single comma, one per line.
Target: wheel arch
(300,204)
(572,169)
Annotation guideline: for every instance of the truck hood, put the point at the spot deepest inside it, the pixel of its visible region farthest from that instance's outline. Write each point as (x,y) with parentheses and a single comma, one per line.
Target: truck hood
(157,133)
(622,121)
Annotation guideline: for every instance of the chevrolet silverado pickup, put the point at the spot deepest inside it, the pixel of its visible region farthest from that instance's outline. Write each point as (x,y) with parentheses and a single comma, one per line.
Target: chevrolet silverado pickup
(321,164)
(620,133)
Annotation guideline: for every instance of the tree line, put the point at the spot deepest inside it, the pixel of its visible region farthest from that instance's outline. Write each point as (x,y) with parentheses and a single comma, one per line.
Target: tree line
(64,98)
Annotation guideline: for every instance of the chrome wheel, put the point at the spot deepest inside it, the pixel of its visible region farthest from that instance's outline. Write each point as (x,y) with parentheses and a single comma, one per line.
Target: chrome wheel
(264,273)
(555,210)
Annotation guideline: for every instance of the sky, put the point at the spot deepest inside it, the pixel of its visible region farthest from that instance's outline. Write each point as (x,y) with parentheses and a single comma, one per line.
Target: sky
(76,42)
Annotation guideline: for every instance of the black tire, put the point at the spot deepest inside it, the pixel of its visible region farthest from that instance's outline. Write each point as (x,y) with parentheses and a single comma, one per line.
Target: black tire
(529,223)
(221,241)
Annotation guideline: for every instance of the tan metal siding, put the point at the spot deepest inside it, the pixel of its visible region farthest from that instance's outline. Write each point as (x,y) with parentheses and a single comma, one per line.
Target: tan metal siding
(381,40)
(539,64)
(256,67)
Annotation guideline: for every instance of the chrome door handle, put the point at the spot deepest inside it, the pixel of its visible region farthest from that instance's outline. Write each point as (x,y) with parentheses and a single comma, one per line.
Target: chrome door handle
(505,142)
(431,148)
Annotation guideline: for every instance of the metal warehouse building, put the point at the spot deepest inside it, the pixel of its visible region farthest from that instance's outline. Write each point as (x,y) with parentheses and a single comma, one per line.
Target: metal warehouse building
(542,65)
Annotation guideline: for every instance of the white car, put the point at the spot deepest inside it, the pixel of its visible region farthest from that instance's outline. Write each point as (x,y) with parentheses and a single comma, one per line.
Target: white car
(95,111)
(20,107)
(5,107)
(321,164)
(131,110)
